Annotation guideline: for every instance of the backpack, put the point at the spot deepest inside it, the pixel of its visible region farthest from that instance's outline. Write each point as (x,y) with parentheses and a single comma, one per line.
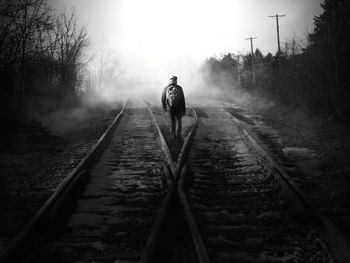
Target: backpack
(173,96)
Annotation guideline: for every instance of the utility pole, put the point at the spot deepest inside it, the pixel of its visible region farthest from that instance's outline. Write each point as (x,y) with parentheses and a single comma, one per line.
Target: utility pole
(278,41)
(278,31)
(238,71)
(253,62)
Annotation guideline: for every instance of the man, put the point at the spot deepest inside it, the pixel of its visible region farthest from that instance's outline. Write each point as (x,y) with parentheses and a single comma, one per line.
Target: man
(173,102)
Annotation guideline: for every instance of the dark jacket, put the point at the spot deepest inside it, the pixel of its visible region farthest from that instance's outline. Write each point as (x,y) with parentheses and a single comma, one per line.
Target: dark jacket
(182,103)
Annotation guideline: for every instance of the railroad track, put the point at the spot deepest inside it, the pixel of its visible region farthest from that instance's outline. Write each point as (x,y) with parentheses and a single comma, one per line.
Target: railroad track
(242,204)
(112,204)
(239,204)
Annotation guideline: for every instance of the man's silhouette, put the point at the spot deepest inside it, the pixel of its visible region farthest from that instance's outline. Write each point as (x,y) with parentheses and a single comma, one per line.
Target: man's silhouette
(173,102)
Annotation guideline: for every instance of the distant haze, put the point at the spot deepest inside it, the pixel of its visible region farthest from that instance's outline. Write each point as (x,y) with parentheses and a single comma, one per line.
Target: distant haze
(155,39)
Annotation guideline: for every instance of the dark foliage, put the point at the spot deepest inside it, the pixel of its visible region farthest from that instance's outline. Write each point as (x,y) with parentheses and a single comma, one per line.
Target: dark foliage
(329,54)
(40,56)
(221,72)
(314,77)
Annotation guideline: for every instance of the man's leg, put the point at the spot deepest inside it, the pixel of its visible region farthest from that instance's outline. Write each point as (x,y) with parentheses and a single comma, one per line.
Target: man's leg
(178,125)
(172,122)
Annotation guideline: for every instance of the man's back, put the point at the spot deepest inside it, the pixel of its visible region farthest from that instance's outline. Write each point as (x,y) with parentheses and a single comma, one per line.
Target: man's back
(173,102)
(180,104)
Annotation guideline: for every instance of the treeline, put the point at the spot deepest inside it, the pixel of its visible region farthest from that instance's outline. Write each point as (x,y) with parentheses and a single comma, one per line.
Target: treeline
(41,54)
(313,76)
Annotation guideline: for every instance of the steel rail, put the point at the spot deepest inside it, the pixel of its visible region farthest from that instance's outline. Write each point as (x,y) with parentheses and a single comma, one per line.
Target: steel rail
(163,143)
(168,168)
(150,245)
(181,171)
(186,145)
(197,238)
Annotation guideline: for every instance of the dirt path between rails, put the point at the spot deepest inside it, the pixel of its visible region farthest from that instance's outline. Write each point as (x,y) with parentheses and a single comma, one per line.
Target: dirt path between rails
(164,124)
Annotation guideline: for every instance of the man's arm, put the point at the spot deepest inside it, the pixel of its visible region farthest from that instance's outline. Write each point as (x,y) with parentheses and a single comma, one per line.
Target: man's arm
(164,99)
(183,102)
(184,106)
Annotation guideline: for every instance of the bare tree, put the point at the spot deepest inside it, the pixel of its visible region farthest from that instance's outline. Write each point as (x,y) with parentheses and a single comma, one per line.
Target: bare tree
(105,71)
(23,24)
(70,41)
(37,44)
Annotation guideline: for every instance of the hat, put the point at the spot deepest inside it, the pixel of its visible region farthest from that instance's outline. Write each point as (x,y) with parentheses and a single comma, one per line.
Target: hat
(173,78)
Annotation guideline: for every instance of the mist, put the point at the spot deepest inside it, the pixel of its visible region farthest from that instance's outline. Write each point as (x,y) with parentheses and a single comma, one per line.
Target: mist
(136,46)
(109,77)
(68,67)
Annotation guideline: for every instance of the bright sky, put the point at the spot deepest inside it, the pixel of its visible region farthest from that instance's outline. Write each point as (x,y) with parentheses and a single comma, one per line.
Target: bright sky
(166,36)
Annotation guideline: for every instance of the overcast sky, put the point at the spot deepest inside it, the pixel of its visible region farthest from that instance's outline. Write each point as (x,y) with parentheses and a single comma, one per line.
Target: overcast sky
(152,35)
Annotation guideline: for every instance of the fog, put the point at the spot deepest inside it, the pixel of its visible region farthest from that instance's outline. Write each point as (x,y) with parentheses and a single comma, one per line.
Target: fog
(136,46)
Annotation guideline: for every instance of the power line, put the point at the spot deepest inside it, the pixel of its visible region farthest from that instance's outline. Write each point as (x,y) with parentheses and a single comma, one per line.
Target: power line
(252,52)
